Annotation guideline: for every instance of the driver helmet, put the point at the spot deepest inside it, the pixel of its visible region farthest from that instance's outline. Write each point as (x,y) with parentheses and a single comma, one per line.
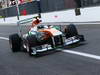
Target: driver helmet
(40,27)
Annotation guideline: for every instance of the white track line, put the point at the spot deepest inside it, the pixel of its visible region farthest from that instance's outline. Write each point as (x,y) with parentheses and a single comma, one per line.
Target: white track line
(83,54)
(4,38)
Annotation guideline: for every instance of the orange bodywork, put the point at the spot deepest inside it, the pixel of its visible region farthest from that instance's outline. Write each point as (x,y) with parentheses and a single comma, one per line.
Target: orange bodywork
(48,32)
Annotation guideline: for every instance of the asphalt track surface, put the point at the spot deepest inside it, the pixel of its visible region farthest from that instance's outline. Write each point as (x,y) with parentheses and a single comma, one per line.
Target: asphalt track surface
(52,63)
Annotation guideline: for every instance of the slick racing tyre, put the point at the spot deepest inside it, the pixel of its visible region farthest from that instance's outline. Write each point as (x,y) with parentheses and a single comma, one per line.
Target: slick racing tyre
(70,31)
(15,42)
(31,42)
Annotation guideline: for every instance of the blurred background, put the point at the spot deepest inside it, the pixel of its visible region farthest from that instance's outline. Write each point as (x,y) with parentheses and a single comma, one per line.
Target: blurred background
(27,7)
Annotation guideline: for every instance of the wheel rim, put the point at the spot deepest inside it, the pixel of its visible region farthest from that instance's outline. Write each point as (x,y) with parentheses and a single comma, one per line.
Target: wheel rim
(27,48)
(24,46)
(10,44)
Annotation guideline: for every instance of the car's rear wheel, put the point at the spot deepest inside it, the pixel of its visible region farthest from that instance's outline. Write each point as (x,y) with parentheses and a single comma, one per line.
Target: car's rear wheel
(70,31)
(15,42)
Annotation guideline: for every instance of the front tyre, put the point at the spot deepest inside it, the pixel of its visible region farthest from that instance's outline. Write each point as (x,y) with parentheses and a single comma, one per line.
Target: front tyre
(15,42)
(70,31)
(31,44)
(30,51)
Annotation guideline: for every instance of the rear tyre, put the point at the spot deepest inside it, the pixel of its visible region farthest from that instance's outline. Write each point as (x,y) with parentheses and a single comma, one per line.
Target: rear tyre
(70,31)
(15,42)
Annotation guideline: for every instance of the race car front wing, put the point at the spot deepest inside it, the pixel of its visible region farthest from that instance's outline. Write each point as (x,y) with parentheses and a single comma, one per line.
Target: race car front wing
(68,41)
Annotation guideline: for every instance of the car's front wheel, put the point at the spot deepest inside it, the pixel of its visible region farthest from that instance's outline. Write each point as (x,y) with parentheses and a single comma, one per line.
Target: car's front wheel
(15,42)
(71,31)
(30,51)
(31,44)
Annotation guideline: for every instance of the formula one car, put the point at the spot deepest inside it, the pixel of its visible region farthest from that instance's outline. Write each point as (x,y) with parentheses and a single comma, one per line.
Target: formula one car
(45,38)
